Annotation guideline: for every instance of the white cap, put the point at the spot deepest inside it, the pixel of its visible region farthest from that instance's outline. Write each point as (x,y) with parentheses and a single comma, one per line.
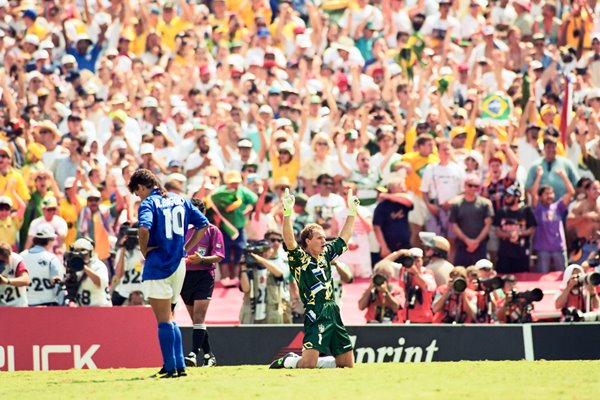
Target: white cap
(281,122)
(83,36)
(146,148)
(83,244)
(6,200)
(484,263)
(535,64)
(245,143)
(69,182)
(68,59)
(32,39)
(265,109)
(93,193)
(149,102)
(46,44)
(416,252)
(40,55)
(45,231)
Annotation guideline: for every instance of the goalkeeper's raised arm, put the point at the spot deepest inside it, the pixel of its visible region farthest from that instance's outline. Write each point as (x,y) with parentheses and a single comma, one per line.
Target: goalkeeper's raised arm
(352,203)
(288,201)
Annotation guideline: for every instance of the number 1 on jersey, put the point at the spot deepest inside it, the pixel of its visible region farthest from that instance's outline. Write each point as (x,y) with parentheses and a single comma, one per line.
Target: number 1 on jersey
(174,221)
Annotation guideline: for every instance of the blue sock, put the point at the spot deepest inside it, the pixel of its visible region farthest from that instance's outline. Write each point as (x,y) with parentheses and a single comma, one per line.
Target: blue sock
(166,338)
(178,347)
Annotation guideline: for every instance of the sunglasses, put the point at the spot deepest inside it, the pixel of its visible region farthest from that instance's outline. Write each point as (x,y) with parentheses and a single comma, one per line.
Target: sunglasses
(4,156)
(212,177)
(4,207)
(280,140)
(473,185)
(93,199)
(327,183)
(322,144)
(50,209)
(45,131)
(274,240)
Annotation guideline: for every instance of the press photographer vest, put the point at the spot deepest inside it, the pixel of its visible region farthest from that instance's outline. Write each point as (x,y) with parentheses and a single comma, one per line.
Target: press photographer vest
(11,296)
(263,304)
(133,265)
(42,266)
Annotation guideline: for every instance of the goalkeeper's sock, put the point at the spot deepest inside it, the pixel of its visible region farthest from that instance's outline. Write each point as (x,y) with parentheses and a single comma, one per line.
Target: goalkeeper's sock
(291,362)
(326,362)
(166,338)
(178,347)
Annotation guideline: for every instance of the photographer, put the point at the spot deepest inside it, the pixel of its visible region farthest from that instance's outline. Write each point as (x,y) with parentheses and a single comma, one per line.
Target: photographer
(382,299)
(436,251)
(261,282)
(578,291)
(14,278)
(129,265)
(45,269)
(86,278)
(516,307)
(455,302)
(417,282)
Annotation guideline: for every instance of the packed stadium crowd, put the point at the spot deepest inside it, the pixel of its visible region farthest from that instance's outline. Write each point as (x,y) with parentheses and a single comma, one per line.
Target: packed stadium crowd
(467,129)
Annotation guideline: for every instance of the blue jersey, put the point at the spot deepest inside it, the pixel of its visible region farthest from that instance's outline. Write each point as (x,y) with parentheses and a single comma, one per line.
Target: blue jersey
(168,219)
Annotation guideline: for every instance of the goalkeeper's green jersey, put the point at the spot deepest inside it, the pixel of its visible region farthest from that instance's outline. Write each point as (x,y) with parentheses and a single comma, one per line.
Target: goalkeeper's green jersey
(314,274)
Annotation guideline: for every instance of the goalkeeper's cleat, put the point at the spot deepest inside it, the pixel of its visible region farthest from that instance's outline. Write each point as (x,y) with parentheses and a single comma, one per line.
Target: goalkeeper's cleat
(210,361)
(181,373)
(279,363)
(191,360)
(163,374)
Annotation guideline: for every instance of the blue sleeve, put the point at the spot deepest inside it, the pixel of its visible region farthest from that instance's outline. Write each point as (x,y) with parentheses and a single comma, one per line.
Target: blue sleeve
(195,217)
(145,215)
(378,215)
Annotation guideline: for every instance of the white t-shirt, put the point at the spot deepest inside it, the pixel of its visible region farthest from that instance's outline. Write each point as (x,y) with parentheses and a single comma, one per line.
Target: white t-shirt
(58,223)
(385,172)
(443,182)
(89,294)
(323,208)
(43,266)
(356,16)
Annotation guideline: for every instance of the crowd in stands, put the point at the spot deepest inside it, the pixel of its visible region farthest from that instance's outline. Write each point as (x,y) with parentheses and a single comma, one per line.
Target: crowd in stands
(467,128)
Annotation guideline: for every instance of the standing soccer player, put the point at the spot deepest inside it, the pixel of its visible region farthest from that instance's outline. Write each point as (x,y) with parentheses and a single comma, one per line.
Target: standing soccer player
(163,222)
(311,265)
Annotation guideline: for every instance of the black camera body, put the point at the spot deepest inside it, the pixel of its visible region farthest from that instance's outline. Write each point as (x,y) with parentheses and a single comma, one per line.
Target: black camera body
(489,285)
(74,261)
(592,278)
(406,260)
(378,279)
(130,233)
(528,296)
(255,247)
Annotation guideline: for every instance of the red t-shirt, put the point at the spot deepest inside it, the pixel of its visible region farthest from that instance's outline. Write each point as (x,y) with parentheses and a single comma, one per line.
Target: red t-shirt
(421,313)
(377,309)
(454,309)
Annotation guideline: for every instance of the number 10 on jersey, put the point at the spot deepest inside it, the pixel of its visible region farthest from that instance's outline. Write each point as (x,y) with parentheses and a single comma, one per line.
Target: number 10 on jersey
(173,221)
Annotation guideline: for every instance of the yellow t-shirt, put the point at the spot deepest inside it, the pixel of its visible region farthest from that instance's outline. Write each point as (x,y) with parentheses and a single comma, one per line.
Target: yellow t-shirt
(70,212)
(169,31)
(289,170)
(21,187)
(577,24)
(37,30)
(248,14)
(9,230)
(418,164)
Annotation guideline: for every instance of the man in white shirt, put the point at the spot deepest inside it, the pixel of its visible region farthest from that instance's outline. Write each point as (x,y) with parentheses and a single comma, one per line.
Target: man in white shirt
(323,205)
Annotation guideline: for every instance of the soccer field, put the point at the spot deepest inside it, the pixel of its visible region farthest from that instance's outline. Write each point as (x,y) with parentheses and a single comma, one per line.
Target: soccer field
(460,380)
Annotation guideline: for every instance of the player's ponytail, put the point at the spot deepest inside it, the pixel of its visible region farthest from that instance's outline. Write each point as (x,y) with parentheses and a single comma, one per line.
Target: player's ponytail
(147,179)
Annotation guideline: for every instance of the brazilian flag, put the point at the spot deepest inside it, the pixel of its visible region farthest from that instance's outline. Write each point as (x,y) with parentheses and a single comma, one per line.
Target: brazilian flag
(411,54)
(495,108)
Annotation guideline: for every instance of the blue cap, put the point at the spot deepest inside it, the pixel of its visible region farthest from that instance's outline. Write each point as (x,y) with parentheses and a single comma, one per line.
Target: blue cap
(274,90)
(263,32)
(30,13)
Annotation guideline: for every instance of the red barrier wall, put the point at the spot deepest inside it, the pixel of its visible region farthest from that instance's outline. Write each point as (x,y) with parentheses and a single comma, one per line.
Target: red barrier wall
(63,338)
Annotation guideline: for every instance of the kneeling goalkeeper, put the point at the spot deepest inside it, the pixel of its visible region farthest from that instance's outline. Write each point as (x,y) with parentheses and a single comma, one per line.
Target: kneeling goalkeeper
(310,263)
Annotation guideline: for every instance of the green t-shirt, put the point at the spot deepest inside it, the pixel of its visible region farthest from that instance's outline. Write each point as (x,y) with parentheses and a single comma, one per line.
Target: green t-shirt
(243,196)
(314,274)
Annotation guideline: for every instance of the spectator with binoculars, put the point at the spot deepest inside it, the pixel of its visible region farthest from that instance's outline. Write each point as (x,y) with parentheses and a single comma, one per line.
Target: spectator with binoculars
(454,302)
(578,293)
(382,299)
(417,283)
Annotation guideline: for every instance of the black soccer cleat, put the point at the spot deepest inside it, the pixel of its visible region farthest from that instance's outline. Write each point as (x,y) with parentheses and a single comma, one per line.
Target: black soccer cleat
(191,360)
(279,363)
(181,373)
(163,374)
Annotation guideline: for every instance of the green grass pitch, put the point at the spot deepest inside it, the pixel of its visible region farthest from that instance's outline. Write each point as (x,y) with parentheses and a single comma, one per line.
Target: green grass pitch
(459,380)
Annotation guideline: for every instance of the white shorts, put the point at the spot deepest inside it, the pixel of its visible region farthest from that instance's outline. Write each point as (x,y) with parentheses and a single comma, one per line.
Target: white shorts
(168,288)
